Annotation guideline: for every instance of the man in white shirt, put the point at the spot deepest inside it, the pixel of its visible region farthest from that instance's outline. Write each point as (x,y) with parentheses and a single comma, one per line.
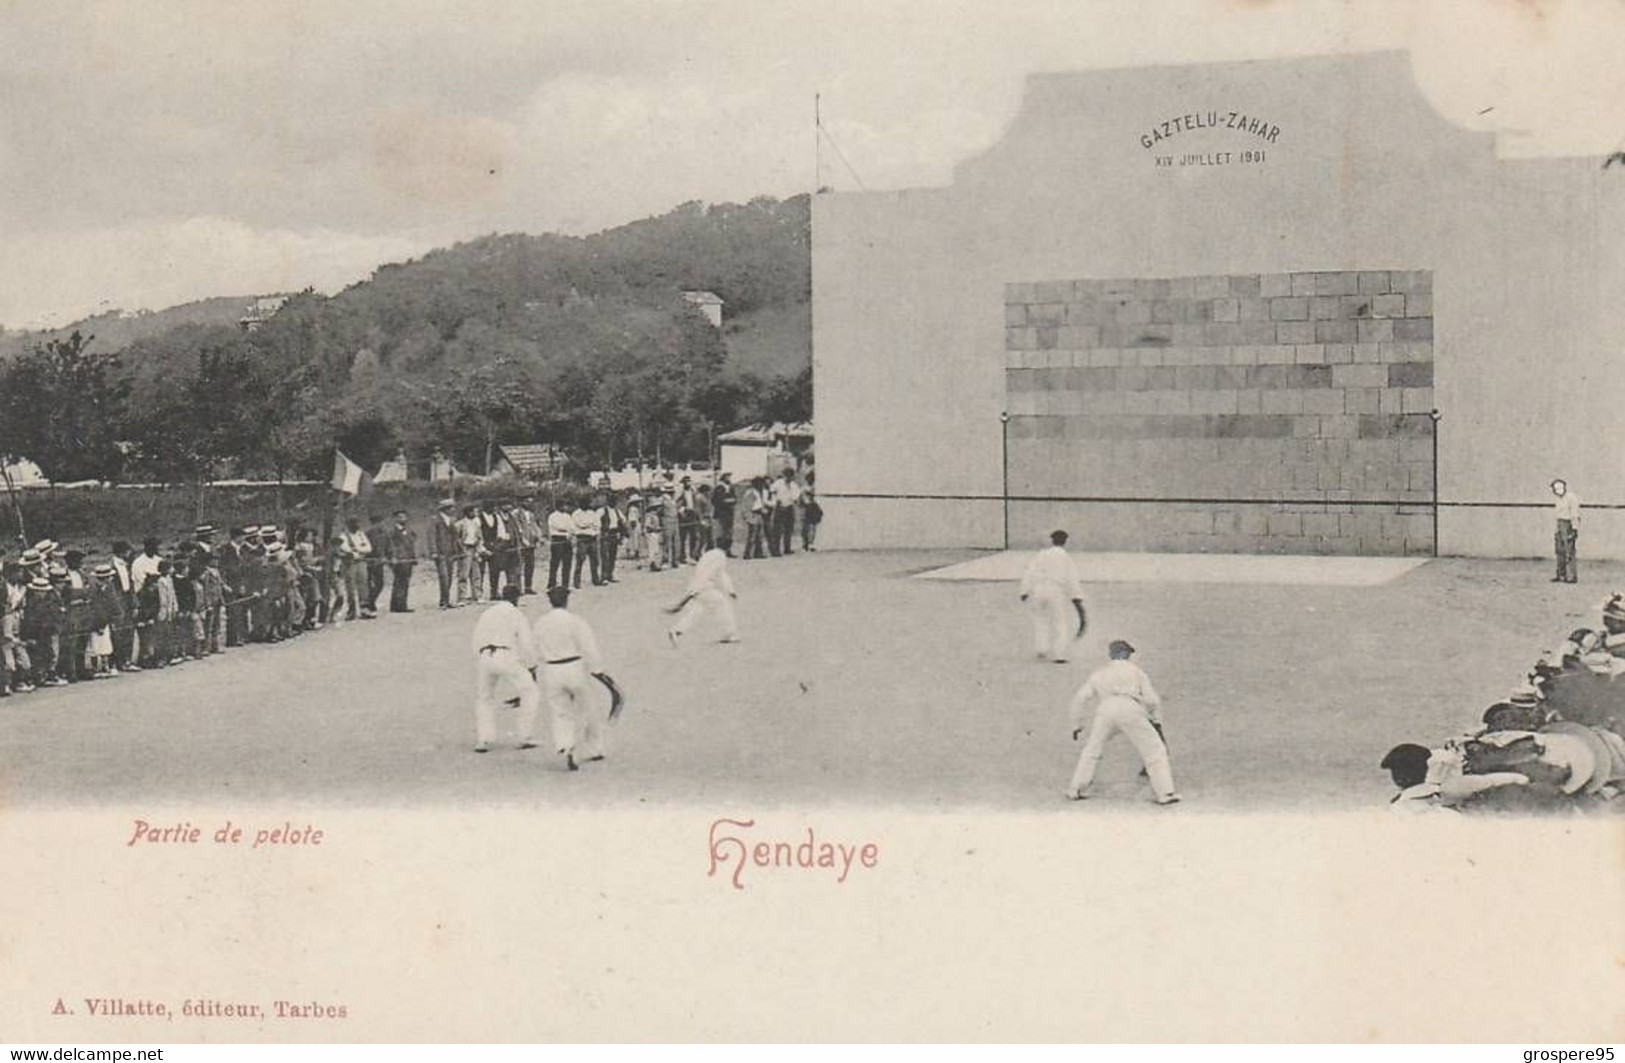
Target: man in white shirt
(355,552)
(1567,537)
(470,558)
(569,658)
(709,590)
(561,536)
(1128,703)
(503,653)
(145,567)
(785,495)
(1047,586)
(588,523)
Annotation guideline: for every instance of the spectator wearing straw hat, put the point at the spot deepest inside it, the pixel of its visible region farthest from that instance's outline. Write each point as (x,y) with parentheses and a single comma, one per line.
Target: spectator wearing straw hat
(42,621)
(14,656)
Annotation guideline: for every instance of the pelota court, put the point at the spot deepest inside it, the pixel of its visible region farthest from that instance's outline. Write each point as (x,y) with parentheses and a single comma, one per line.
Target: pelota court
(1285,681)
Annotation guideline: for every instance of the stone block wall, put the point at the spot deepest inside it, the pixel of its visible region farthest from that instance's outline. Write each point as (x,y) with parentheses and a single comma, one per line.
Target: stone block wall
(1282,412)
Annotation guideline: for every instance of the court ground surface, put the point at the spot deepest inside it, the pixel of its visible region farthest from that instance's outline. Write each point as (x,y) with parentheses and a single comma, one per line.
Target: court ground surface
(1285,680)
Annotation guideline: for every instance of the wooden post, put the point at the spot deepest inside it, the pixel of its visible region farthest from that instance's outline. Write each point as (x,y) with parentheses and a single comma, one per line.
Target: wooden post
(326,582)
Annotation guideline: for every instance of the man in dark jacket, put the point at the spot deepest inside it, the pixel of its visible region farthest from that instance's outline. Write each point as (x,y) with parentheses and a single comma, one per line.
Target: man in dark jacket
(444,547)
(403,557)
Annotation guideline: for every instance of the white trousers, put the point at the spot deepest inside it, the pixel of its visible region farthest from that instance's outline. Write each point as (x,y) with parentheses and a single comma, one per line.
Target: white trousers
(1054,621)
(1129,717)
(491,670)
(713,601)
(578,724)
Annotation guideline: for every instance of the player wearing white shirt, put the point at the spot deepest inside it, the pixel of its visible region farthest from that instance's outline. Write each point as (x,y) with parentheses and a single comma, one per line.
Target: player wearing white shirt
(709,590)
(1128,703)
(503,653)
(1054,597)
(569,658)
(1567,536)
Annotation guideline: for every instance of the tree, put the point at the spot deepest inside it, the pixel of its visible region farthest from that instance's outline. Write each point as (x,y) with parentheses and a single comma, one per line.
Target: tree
(62,406)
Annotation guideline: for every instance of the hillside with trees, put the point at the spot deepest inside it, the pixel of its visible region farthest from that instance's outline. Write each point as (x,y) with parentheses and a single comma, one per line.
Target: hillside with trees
(585,342)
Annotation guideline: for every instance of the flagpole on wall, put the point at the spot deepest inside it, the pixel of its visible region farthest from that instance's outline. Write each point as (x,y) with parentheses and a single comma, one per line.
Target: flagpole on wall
(1004,432)
(1435,416)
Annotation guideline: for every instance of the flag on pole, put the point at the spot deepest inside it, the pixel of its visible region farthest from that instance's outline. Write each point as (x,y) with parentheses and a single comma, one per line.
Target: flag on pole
(348,477)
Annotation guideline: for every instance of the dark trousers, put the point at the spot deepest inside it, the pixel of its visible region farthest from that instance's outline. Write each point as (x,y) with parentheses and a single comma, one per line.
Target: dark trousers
(42,654)
(784,527)
(123,644)
(587,555)
(609,547)
(443,567)
(400,585)
(558,563)
(375,584)
(1568,561)
(527,570)
(725,530)
(755,535)
(72,665)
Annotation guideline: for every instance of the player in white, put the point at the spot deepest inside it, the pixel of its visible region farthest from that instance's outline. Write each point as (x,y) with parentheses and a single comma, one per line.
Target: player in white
(1128,703)
(1049,584)
(569,658)
(503,654)
(709,590)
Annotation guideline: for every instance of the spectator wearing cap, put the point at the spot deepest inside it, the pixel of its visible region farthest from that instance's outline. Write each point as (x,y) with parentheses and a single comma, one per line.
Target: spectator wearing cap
(587,522)
(812,515)
(561,537)
(671,542)
(496,539)
(654,533)
(1128,704)
(757,509)
(724,503)
(688,522)
(1567,536)
(403,558)
(230,556)
(75,642)
(528,534)
(785,496)
(446,547)
(470,558)
(611,530)
(211,593)
(632,516)
(257,543)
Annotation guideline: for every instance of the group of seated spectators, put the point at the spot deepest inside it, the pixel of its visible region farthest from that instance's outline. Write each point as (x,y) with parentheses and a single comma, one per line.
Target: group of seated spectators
(1556,744)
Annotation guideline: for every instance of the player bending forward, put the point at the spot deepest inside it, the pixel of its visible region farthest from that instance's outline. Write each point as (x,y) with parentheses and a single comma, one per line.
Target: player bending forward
(1128,703)
(709,591)
(570,657)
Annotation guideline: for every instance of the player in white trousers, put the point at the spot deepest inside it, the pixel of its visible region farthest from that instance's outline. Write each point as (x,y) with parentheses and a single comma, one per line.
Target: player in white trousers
(569,660)
(710,590)
(503,654)
(1054,595)
(1128,703)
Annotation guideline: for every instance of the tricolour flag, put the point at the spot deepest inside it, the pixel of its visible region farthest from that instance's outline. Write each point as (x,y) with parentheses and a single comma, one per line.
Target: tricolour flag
(348,477)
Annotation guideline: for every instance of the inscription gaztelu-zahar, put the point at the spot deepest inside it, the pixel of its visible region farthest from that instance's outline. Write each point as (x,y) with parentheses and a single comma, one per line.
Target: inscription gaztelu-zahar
(1185,123)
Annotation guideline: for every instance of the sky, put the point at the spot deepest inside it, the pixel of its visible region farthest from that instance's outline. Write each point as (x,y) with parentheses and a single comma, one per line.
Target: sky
(156,152)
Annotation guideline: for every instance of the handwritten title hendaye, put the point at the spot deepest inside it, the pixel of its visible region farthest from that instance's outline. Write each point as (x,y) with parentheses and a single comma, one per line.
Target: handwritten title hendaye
(1185,123)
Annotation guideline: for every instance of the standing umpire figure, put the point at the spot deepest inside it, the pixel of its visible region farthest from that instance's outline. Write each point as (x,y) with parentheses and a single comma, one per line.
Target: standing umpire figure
(1567,536)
